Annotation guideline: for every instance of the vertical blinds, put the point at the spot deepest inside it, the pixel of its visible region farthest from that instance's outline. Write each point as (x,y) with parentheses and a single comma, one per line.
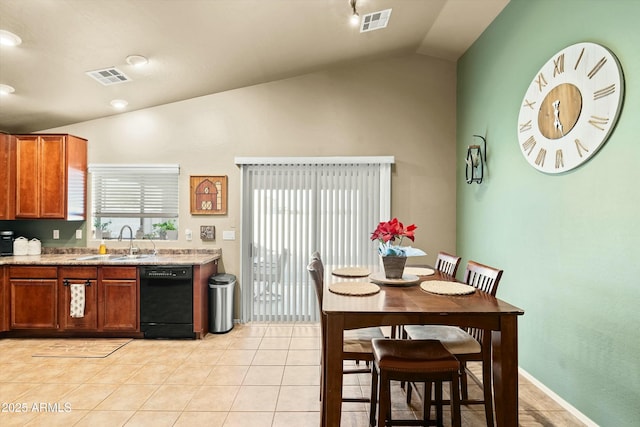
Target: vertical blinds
(144,191)
(293,209)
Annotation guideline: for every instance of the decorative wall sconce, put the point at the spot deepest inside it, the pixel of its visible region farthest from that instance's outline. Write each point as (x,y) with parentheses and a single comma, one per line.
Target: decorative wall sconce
(474,171)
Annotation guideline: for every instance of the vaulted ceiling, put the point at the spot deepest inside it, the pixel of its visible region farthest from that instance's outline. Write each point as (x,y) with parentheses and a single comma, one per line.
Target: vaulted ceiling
(201,47)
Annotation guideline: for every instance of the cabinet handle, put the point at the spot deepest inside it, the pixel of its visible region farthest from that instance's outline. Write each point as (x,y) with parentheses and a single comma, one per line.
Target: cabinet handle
(65,282)
(87,283)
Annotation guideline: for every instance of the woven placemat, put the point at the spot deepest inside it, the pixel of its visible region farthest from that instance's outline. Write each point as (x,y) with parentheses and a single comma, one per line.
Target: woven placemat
(441,287)
(351,272)
(419,271)
(354,288)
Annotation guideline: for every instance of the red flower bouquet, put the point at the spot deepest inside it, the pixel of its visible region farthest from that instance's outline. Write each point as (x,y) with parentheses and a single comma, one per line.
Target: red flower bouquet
(387,233)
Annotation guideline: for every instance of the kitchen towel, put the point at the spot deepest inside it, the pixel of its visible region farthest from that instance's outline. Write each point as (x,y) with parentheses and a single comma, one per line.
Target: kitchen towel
(77,300)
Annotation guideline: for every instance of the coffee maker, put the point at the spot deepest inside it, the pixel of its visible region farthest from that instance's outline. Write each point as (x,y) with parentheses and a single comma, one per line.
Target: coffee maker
(6,243)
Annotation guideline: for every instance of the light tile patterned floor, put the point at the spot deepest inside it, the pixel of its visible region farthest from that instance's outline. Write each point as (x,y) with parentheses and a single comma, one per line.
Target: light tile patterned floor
(256,375)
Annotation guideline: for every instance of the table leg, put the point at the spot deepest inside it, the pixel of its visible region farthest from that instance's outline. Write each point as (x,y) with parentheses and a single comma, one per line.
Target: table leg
(505,371)
(332,395)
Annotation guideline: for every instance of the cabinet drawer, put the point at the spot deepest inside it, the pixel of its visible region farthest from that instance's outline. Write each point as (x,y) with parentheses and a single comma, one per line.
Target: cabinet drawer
(119,272)
(79,272)
(33,272)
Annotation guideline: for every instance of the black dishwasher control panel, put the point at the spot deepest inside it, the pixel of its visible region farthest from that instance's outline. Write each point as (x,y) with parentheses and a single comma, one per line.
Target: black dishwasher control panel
(172,272)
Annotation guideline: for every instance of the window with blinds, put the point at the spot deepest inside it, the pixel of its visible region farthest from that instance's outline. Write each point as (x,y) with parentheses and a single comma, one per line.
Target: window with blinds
(294,206)
(144,197)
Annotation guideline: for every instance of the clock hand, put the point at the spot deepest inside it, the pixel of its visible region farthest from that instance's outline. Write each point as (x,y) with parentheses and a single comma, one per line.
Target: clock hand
(556,113)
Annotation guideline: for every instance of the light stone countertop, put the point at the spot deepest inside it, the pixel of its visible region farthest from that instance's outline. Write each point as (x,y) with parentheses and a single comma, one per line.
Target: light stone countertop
(77,256)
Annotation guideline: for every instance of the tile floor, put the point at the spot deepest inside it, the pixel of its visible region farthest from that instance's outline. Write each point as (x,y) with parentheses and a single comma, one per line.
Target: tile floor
(256,375)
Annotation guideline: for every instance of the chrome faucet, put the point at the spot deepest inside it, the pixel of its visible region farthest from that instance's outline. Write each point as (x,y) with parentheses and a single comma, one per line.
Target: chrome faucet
(131,251)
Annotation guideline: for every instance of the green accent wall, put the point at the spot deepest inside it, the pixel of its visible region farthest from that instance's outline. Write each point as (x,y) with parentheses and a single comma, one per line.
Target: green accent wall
(569,244)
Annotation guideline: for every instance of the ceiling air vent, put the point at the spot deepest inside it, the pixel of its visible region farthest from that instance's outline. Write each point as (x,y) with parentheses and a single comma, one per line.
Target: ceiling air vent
(375,20)
(109,76)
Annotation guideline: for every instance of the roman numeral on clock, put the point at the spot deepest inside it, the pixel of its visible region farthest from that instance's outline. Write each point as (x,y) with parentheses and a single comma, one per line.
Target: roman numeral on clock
(580,147)
(597,67)
(540,158)
(598,122)
(559,159)
(575,67)
(542,82)
(529,144)
(525,126)
(605,91)
(558,65)
(529,104)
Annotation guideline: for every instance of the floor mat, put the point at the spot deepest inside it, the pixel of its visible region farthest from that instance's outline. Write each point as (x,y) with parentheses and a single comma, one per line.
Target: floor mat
(73,347)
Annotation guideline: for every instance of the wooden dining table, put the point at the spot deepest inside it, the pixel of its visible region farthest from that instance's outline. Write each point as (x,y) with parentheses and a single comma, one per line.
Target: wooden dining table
(409,304)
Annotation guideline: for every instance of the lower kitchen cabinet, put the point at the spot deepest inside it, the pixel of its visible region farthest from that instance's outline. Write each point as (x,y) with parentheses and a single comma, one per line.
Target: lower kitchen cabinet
(42,297)
(33,293)
(85,312)
(4,299)
(118,299)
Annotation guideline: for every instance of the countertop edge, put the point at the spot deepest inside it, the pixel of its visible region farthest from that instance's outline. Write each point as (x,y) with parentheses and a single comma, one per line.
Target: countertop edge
(72,260)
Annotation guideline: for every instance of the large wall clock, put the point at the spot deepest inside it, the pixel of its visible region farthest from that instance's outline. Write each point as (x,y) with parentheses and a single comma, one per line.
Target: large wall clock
(570,107)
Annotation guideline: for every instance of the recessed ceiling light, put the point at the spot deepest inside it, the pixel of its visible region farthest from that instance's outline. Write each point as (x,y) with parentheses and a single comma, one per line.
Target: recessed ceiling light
(137,60)
(6,89)
(119,104)
(7,38)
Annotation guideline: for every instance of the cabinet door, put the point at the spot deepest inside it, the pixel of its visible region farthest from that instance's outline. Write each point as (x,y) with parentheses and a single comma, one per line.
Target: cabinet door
(53,177)
(119,311)
(89,316)
(34,303)
(27,177)
(7,177)
(119,299)
(4,299)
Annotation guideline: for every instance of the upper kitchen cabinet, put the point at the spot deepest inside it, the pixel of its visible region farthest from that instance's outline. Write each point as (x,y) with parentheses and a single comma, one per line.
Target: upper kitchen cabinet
(51,177)
(7,176)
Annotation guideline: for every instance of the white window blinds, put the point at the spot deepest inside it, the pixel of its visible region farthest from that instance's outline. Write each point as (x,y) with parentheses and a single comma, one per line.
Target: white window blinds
(144,191)
(292,207)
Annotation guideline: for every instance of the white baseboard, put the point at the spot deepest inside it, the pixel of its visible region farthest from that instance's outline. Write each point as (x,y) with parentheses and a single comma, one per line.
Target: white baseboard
(566,405)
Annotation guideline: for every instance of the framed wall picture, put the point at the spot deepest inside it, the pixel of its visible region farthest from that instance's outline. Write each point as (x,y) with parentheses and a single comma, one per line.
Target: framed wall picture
(208,195)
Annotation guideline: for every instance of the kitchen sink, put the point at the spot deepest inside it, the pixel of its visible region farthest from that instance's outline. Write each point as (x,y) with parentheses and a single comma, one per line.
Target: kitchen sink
(106,257)
(133,257)
(114,257)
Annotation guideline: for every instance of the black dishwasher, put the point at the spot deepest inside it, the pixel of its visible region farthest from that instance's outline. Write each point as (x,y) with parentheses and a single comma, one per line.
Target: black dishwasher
(166,301)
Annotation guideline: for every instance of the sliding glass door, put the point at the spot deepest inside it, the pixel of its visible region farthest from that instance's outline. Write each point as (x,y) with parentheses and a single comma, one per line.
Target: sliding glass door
(294,207)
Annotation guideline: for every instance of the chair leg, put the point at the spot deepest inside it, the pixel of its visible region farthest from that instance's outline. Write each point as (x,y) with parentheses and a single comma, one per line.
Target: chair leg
(456,419)
(384,400)
(426,403)
(374,396)
(463,381)
(438,386)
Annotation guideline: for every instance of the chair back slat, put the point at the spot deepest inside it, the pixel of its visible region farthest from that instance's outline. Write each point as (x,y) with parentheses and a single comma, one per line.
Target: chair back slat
(486,279)
(447,264)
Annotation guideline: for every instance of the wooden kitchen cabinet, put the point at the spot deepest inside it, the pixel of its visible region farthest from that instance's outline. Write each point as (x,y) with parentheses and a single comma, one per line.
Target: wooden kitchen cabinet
(87,277)
(7,176)
(118,299)
(51,177)
(33,294)
(4,299)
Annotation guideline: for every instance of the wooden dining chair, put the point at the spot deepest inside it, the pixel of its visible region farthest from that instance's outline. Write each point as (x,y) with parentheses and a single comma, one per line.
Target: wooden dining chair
(467,344)
(447,264)
(425,361)
(357,342)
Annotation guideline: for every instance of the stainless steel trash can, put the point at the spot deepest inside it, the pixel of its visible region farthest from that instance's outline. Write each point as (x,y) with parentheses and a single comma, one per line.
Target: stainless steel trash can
(221,287)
